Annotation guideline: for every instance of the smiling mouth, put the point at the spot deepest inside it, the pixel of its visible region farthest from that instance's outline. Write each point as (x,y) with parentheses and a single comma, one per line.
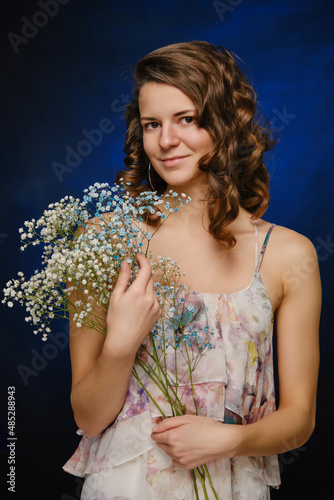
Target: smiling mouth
(171,162)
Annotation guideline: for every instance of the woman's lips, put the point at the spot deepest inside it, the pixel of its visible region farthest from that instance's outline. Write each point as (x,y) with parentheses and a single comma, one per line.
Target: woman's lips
(171,162)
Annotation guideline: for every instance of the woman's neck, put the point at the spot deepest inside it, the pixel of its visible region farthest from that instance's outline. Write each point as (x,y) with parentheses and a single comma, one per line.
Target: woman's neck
(196,211)
(195,214)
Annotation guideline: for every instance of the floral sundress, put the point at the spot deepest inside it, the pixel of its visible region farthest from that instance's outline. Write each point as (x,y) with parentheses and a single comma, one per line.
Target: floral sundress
(233,383)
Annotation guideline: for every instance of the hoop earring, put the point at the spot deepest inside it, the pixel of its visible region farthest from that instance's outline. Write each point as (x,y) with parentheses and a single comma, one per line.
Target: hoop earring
(149,176)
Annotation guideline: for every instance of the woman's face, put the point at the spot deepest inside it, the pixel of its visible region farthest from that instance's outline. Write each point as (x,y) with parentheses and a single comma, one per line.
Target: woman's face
(173,141)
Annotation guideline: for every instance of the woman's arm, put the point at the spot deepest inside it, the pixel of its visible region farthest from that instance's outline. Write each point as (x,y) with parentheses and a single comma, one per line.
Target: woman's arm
(297,323)
(102,366)
(298,359)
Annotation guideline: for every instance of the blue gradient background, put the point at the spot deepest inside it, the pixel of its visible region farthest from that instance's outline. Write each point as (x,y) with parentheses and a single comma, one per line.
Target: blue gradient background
(76,71)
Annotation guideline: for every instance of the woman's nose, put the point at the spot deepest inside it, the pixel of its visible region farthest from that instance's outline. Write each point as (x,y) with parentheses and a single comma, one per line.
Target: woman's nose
(168,137)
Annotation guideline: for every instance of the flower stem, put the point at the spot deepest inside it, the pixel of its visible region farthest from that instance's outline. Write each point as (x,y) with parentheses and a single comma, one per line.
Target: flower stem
(191,380)
(201,478)
(207,474)
(135,373)
(195,484)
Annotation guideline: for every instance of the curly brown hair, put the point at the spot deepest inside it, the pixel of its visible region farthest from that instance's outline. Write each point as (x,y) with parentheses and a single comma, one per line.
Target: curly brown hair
(226,106)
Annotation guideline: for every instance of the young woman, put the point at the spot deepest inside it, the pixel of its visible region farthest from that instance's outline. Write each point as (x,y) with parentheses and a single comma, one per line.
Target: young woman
(192,127)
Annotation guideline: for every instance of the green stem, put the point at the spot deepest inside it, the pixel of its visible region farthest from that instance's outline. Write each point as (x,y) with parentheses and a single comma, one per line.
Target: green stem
(195,484)
(168,384)
(156,378)
(153,376)
(135,373)
(201,478)
(159,226)
(161,374)
(191,379)
(207,474)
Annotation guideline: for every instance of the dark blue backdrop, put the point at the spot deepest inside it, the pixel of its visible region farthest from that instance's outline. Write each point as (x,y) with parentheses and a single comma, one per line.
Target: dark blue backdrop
(66,69)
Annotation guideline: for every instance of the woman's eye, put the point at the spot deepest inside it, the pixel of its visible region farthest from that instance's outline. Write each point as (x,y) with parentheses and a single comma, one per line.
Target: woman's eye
(185,120)
(188,119)
(151,125)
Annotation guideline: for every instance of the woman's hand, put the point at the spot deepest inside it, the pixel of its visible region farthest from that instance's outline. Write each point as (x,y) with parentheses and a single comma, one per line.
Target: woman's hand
(191,440)
(132,311)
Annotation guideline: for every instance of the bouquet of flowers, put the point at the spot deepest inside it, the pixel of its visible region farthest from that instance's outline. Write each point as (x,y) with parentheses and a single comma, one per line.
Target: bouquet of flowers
(85,242)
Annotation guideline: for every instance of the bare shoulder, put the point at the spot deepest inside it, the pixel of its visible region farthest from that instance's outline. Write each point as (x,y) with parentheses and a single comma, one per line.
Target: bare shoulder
(290,259)
(290,247)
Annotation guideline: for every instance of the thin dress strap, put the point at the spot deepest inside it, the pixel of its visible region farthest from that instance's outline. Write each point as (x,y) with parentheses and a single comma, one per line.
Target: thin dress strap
(263,249)
(256,243)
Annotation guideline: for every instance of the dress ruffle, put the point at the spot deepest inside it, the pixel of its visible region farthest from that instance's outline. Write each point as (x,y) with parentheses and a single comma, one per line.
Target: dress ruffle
(131,438)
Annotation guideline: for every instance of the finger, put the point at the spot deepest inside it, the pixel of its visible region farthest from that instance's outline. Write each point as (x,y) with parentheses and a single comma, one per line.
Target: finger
(178,464)
(150,286)
(122,281)
(144,275)
(164,447)
(168,424)
(159,437)
(168,452)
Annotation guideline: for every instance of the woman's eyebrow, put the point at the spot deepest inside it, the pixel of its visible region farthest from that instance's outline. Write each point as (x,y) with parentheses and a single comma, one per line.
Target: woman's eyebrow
(176,114)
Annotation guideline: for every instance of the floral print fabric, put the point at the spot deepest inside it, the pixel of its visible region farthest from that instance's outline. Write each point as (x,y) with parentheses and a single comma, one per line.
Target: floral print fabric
(233,383)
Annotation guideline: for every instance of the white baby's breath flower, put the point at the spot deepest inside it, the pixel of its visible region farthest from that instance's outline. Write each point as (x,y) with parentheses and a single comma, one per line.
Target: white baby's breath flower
(88,260)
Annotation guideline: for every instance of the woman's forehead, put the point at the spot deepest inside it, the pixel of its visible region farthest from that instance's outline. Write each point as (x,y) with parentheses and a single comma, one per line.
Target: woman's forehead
(163,98)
